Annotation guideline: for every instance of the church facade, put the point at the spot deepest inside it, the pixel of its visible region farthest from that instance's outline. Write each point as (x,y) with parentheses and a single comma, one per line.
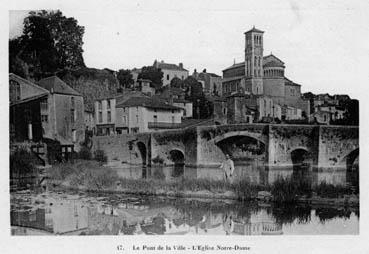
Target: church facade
(262,75)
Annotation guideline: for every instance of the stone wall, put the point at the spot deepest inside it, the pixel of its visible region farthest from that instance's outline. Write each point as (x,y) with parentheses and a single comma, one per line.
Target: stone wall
(284,139)
(335,144)
(121,147)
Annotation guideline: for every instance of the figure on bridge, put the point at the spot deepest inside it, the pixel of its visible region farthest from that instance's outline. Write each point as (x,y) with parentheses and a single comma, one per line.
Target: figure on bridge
(228,167)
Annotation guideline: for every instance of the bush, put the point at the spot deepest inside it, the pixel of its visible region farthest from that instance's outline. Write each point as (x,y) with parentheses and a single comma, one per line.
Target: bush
(100,156)
(331,191)
(158,160)
(289,189)
(22,162)
(84,153)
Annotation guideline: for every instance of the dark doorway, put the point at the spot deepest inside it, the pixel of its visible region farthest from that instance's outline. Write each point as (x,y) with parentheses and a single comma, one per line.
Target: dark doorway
(142,148)
(352,171)
(178,159)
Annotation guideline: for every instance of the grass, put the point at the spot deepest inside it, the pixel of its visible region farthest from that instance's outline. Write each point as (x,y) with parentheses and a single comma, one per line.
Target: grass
(91,175)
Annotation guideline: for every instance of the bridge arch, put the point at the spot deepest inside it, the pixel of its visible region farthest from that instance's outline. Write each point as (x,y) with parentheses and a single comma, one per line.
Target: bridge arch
(349,160)
(230,134)
(242,145)
(178,159)
(143,152)
(301,156)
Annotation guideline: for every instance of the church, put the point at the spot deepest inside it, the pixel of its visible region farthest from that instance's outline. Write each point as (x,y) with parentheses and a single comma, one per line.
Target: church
(262,75)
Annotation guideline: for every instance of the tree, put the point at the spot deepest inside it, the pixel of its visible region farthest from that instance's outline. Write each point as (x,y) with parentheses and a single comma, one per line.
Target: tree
(202,108)
(125,78)
(50,42)
(176,82)
(152,73)
(193,88)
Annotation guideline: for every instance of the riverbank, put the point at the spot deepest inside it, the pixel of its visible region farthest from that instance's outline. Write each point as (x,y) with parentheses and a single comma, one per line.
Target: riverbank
(91,176)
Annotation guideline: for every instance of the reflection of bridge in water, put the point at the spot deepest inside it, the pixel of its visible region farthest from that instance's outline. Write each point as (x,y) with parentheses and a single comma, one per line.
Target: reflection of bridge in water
(115,215)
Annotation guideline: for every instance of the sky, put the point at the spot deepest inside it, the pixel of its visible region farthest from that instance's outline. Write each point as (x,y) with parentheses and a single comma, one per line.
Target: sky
(324,44)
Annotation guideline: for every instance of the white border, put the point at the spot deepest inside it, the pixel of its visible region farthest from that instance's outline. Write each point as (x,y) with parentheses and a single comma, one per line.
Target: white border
(105,244)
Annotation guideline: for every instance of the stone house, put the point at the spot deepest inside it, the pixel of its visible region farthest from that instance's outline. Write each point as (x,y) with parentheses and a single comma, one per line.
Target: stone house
(62,113)
(25,106)
(211,82)
(143,114)
(171,71)
(105,112)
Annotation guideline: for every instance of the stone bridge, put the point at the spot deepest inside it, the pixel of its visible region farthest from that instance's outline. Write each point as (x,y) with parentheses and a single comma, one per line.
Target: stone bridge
(206,146)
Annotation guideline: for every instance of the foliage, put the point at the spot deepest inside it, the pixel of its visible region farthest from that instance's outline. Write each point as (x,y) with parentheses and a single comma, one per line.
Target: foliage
(100,156)
(202,107)
(84,153)
(331,191)
(289,189)
(152,73)
(22,162)
(50,42)
(176,83)
(85,173)
(158,160)
(125,78)
(91,83)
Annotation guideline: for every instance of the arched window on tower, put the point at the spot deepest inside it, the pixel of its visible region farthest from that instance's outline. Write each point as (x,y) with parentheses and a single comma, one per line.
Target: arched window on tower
(255,61)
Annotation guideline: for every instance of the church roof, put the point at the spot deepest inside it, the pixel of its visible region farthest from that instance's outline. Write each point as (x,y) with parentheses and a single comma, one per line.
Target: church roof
(272,61)
(254,30)
(56,85)
(236,65)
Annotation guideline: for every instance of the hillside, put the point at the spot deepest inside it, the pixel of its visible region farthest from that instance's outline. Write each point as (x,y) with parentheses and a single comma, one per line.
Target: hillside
(91,83)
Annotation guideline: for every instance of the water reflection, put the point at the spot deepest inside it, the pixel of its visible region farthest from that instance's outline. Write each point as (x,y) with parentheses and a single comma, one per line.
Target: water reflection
(79,214)
(253,171)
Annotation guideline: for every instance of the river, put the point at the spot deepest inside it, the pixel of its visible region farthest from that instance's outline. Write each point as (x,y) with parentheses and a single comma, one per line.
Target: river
(82,213)
(79,213)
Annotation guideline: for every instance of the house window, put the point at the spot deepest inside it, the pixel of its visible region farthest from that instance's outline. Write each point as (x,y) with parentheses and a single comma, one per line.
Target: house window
(136,118)
(108,106)
(72,115)
(124,119)
(74,136)
(109,116)
(72,102)
(44,118)
(100,117)
(99,105)
(167,76)
(155,118)
(224,111)
(44,105)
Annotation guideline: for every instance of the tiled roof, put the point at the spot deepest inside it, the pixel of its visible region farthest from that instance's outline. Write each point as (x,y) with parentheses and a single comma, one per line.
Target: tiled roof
(272,61)
(56,85)
(237,65)
(290,82)
(41,91)
(254,30)
(146,102)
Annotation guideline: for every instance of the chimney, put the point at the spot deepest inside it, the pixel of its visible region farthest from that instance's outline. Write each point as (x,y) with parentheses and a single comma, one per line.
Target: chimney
(180,65)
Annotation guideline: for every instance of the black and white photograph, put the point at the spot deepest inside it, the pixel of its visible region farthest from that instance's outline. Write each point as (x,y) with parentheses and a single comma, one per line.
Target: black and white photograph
(201,127)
